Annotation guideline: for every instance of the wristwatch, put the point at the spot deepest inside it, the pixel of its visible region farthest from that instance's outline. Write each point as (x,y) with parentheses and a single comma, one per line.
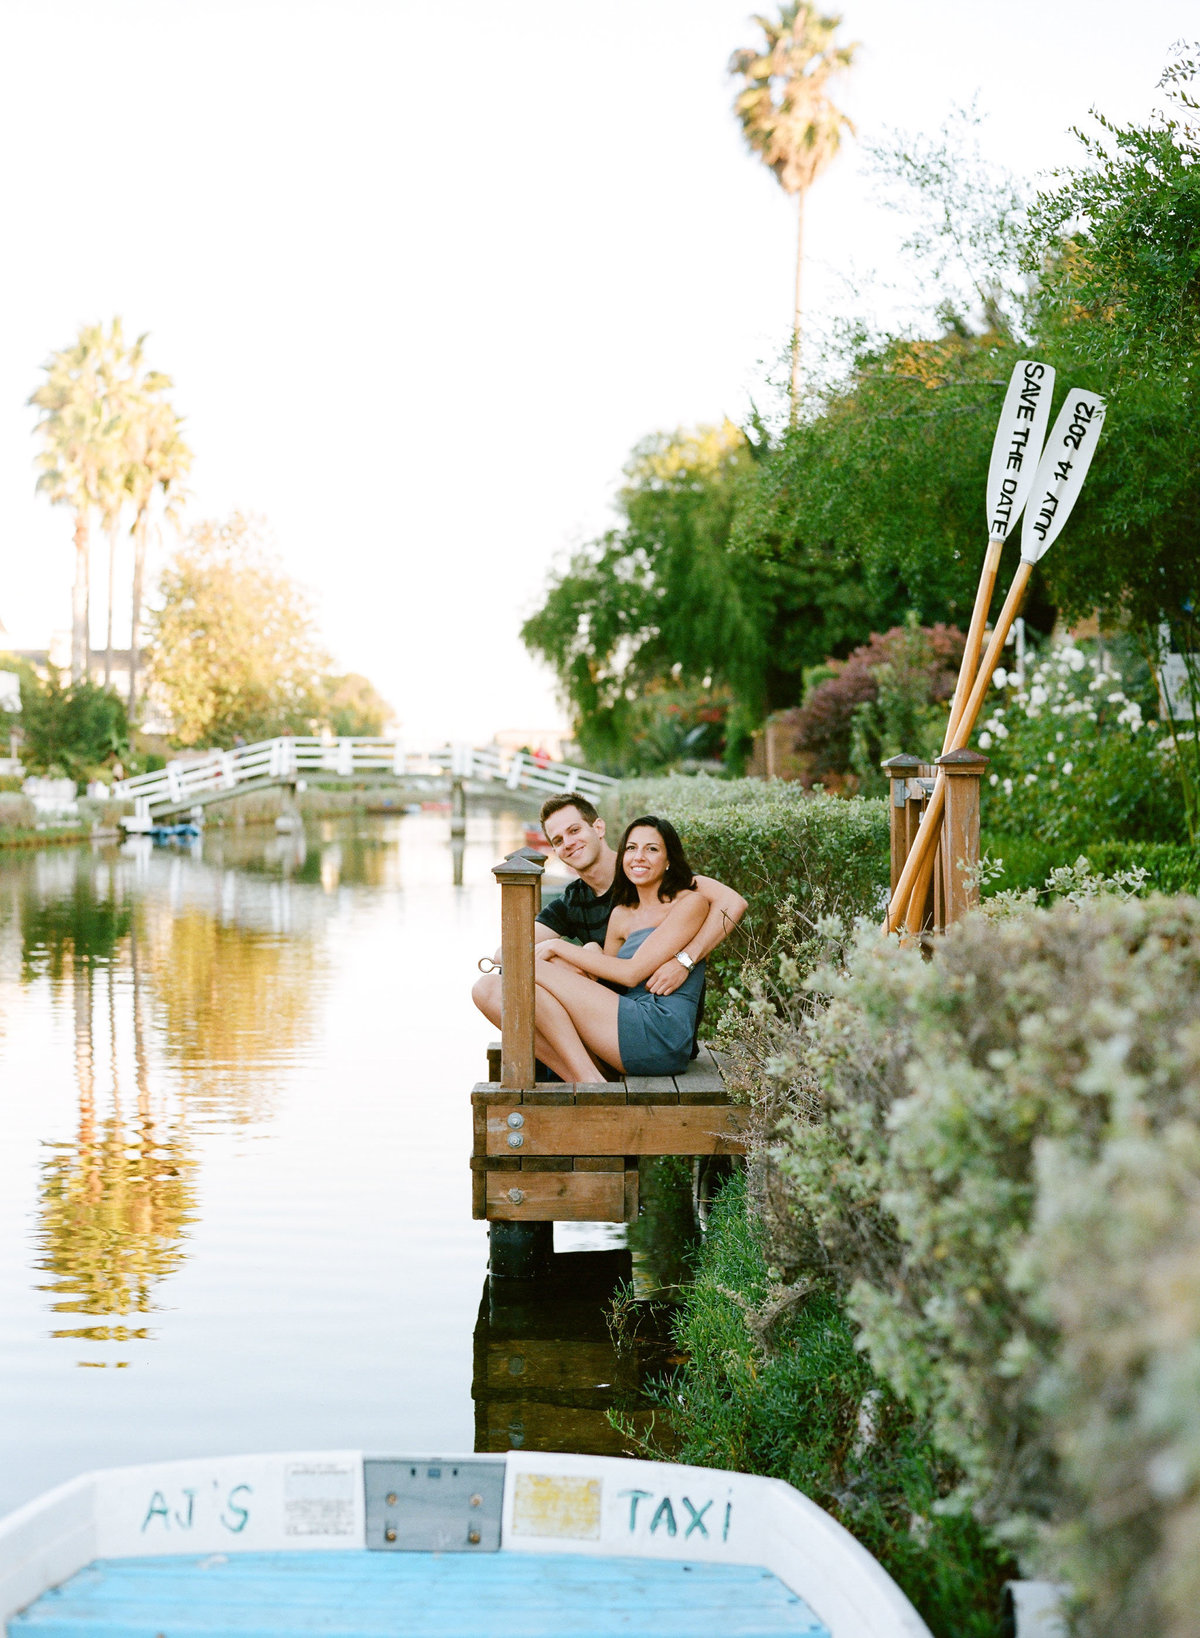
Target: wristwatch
(685,960)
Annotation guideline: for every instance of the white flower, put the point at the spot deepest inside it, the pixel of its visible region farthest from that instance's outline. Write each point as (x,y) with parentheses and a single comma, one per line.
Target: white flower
(1000,677)
(1077,659)
(1030,779)
(1001,731)
(1038,695)
(1068,767)
(1008,787)
(1050,757)
(1116,697)
(985,742)
(1060,736)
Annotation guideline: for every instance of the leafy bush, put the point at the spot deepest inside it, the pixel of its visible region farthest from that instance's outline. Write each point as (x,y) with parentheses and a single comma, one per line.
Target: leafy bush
(774,1384)
(788,853)
(1075,761)
(73,728)
(993,1157)
(891,696)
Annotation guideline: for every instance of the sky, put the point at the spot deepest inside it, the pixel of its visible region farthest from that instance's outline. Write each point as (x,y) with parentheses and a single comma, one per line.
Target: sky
(423,273)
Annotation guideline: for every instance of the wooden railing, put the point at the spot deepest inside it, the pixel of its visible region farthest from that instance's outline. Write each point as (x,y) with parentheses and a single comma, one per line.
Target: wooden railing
(954,887)
(192,781)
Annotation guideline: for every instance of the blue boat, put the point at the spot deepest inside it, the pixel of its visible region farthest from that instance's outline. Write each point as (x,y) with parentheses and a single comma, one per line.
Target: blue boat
(522,1545)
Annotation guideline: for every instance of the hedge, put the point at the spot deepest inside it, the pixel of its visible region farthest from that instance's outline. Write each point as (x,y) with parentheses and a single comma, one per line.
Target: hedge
(1173,867)
(790,853)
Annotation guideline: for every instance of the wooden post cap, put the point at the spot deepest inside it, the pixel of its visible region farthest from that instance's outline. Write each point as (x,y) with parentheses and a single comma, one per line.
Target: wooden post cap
(965,761)
(517,870)
(899,766)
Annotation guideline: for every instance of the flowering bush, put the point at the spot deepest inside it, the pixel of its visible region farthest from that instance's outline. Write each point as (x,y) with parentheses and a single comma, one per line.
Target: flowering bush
(891,695)
(1075,760)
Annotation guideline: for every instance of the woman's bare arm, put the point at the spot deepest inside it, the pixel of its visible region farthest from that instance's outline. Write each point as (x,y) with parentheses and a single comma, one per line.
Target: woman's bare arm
(682,922)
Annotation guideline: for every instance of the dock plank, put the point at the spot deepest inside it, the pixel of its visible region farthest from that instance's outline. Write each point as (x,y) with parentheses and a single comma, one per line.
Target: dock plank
(633,1130)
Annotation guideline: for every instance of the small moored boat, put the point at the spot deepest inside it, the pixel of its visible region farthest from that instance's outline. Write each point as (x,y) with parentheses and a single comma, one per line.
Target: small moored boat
(523,1545)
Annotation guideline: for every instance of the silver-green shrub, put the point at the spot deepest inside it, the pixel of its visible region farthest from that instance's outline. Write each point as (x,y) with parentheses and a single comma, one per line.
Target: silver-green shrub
(994,1156)
(17,812)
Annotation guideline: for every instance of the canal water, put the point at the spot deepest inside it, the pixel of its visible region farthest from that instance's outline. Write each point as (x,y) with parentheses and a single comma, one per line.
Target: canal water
(234,1135)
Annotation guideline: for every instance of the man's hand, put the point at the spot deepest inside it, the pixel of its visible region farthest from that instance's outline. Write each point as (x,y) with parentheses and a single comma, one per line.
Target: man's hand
(667,979)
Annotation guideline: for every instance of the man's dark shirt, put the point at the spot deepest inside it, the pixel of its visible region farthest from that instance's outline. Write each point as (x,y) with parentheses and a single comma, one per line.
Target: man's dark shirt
(579,913)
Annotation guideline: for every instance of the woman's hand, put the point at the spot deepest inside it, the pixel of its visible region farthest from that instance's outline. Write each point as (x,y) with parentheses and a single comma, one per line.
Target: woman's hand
(547,949)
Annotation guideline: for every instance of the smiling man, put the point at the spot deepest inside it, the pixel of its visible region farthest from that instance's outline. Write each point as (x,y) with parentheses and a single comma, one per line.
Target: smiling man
(576,832)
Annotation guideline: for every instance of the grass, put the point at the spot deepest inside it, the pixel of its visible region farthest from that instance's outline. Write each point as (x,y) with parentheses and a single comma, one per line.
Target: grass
(792,1398)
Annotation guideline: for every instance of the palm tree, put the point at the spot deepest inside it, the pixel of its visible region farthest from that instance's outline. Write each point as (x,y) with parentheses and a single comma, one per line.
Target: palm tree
(71,425)
(787,116)
(157,461)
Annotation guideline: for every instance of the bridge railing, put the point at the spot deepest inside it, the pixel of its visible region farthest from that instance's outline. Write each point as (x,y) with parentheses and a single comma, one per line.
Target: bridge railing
(189,779)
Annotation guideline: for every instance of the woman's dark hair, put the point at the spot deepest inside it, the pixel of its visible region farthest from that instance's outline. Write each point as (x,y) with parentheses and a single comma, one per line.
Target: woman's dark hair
(679,875)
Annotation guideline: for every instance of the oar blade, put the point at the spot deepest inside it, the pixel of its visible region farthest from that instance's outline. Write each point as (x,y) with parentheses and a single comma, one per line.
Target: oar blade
(1017,447)
(1061,471)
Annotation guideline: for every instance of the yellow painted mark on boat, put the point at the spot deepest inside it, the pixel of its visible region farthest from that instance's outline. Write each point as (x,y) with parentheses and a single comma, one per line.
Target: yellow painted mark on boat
(551,1504)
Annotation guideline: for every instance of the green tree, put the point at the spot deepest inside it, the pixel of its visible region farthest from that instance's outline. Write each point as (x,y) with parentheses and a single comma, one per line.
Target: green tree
(787,116)
(233,645)
(662,606)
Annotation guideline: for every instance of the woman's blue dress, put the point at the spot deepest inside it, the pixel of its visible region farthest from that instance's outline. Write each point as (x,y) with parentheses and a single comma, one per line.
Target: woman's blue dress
(655,1032)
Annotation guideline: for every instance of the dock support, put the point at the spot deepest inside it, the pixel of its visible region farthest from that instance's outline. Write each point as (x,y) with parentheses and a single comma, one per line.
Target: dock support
(518,1250)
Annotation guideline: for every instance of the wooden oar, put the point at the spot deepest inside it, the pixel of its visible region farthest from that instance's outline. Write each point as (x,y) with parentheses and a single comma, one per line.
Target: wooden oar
(1016,448)
(1056,488)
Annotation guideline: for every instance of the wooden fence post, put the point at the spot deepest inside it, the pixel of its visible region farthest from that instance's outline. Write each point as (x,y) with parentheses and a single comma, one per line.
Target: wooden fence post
(520,891)
(899,770)
(960,833)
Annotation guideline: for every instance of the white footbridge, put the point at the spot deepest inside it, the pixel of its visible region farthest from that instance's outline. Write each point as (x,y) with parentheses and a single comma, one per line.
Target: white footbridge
(194,781)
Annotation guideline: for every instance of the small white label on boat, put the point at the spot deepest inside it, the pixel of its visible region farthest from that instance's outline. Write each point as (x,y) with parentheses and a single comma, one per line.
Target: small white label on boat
(553,1504)
(318,1499)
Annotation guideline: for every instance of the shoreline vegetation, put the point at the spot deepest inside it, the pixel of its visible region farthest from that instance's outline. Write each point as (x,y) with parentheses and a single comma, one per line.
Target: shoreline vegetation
(954,1293)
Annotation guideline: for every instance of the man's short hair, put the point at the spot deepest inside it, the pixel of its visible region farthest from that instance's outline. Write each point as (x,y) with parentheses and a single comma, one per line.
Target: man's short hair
(555,804)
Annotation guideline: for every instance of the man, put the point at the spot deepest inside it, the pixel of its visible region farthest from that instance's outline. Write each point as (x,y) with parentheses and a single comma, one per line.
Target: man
(576,833)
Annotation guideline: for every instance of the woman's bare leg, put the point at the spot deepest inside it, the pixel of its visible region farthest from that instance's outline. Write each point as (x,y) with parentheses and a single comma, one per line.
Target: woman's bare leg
(486,996)
(562,1047)
(592,1009)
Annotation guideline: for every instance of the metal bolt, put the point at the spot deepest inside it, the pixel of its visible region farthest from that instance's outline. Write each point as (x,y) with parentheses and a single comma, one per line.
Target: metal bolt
(474,1537)
(390,1498)
(516,1118)
(390,1533)
(515,1140)
(476,1501)
(516,1196)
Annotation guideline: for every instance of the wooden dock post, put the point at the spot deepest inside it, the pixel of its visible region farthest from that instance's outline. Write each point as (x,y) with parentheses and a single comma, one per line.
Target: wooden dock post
(953,887)
(518,1250)
(960,832)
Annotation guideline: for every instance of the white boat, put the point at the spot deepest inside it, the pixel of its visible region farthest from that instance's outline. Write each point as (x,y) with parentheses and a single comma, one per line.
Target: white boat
(522,1545)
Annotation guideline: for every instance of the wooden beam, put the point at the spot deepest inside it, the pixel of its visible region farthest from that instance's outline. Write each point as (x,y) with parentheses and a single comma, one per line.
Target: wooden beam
(560,1197)
(633,1130)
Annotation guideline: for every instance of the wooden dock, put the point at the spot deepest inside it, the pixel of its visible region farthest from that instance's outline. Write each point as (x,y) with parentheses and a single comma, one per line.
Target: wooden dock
(547,1152)
(556,1153)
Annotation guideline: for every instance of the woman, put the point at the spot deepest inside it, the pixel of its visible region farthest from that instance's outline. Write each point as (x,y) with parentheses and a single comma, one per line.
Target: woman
(656,912)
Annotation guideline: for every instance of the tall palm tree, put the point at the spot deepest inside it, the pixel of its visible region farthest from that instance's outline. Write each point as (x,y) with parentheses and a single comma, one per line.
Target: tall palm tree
(786,113)
(157,461)
(72,428)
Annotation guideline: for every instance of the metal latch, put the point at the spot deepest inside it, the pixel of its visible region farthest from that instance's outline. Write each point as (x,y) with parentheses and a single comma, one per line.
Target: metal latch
(432,1506)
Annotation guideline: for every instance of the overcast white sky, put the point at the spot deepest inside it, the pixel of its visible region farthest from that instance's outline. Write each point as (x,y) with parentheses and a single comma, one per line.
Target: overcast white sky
(424,272)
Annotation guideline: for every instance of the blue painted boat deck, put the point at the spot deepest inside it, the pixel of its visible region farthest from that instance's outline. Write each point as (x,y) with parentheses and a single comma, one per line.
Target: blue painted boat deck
(380,1595)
